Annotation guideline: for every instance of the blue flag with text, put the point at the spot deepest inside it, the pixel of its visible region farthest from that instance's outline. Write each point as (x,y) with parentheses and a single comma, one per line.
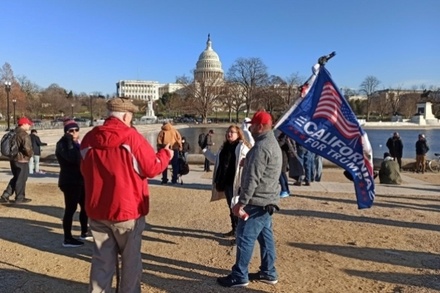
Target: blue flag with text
(324,123)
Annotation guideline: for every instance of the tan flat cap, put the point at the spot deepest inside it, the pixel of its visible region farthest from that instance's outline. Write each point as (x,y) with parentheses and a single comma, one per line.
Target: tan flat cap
(122,104)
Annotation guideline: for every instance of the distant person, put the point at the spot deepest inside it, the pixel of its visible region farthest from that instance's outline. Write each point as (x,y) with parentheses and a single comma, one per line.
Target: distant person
(259,196)
(317,168)
(227,170)
(186,148)
(389,172)
(71,183)
(395,148)
(34,162)
(422,149)
(20,164)
(307,160)
(247,134)
(116,162)
(170,136)
(286,150)
(208,144)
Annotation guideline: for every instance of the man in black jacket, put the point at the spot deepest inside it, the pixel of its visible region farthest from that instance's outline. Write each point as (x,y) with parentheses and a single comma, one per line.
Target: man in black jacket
(395,146)
(34,162)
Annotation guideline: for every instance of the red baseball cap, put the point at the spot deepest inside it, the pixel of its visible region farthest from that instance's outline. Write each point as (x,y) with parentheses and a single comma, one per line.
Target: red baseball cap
(261,117)
(24,120)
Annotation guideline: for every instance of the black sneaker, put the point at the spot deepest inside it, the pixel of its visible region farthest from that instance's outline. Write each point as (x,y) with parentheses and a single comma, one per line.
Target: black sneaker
(230,281)
(72,242)
(86,237)
(262,278)
(24,200)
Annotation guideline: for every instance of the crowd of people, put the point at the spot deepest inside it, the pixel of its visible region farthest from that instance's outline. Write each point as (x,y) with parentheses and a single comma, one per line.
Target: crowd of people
(106,173)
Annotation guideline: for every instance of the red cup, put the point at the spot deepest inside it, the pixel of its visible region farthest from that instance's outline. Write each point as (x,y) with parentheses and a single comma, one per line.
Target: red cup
(243,215)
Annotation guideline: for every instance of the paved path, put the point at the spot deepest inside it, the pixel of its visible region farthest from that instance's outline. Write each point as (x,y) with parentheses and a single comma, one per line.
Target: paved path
(198,180)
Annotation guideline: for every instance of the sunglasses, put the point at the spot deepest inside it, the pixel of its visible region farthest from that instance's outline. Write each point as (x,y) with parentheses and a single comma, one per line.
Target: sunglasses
(73,130)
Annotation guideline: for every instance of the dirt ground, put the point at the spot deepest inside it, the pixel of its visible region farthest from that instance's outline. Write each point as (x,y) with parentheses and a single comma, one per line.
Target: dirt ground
(324,243)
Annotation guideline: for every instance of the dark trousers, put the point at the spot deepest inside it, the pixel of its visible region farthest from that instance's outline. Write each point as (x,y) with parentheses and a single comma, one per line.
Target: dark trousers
(20,174)
(399,161)
(175,166)
(73,195)
(229,193)
(207,165)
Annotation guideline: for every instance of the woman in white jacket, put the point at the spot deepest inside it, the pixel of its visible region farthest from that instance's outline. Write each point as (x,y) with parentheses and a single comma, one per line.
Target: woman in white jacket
(227,169)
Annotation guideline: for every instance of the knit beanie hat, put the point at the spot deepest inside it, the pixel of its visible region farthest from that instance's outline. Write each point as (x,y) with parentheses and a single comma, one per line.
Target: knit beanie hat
(69,124)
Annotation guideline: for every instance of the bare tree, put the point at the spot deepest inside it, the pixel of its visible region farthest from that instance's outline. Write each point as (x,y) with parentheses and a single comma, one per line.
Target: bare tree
(202,95)
(369,87)
(250,74)
(232,99)
(407,105)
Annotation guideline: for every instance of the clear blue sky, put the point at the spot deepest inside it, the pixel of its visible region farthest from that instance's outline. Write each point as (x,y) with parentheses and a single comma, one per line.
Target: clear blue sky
(88,45)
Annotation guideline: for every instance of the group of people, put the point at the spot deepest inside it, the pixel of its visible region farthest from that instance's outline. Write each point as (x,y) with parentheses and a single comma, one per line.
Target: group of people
(106,174)
(391,165)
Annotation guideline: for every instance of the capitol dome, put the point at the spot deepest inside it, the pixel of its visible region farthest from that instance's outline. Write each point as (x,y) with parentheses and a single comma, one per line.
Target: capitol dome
(208,66)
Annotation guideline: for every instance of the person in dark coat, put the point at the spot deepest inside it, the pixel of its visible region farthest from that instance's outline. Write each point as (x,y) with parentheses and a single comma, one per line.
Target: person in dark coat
(34,162)
(395,147)
(71,183)
(421,149)
(286,151)
(185,148)
(208,144)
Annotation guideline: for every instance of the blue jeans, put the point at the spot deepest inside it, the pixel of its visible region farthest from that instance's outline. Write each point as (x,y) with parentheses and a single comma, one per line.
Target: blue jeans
(257,228)
(34,164)
(284,182)
(318,168)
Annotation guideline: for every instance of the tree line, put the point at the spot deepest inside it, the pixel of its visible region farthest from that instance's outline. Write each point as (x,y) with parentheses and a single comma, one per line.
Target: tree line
(246,87)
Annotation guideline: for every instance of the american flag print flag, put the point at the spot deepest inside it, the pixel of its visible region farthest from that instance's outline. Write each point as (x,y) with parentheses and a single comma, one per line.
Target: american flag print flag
(323,122)
(330,107)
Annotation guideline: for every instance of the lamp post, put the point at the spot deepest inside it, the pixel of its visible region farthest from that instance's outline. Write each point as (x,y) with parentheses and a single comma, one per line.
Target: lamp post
(8,89)
(91,110)
(71,108)
(14,101)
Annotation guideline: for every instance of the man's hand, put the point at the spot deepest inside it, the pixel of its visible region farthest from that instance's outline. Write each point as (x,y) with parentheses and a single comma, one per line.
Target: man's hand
(236,209)
(170,151)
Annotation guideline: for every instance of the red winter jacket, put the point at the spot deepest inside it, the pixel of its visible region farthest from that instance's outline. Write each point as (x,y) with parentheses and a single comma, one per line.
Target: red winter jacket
(116,160)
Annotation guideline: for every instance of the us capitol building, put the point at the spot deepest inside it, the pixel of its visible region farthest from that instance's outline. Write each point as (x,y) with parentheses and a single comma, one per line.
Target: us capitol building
(208,67)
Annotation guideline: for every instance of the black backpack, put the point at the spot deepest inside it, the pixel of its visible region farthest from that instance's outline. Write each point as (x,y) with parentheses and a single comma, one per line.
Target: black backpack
(9,146)
(202,140)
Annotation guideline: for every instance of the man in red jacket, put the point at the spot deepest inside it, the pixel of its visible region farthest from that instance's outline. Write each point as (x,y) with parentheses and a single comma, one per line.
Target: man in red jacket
(116,162)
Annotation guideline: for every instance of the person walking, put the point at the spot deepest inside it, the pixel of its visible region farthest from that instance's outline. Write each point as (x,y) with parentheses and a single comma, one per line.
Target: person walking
(186,148)
(34,162)
(227,170)
(207,145)
(170,136)
(395,148)
(19,164)
(71,183)
(116,162)
(421,149)
(258,199)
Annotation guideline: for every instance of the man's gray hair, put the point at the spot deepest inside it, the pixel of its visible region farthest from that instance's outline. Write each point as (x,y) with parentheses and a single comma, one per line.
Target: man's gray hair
(119,115)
